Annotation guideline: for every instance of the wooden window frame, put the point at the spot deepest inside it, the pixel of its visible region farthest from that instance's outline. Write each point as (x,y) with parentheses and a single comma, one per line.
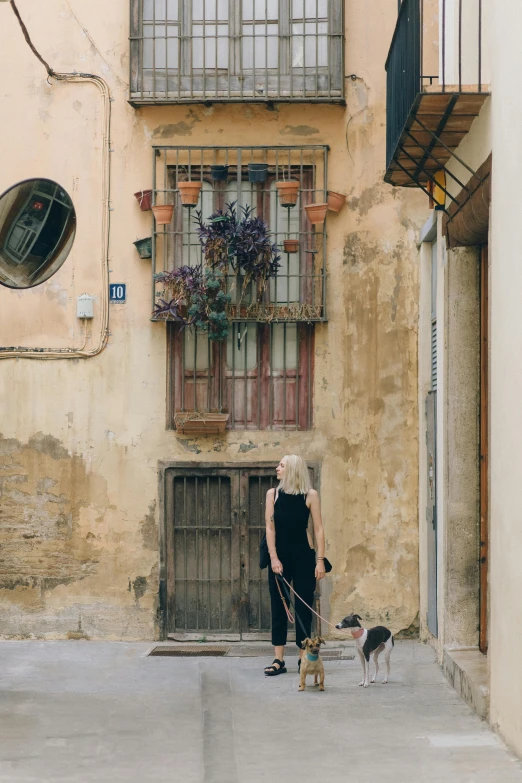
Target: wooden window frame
(259,83)
(262,398)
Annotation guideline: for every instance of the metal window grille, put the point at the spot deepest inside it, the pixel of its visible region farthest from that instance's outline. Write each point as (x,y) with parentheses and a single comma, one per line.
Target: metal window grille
(262,375)
(236,50)
(298,291)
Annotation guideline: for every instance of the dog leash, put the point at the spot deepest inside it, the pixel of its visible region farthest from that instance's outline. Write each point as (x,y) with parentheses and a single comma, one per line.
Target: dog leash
(304,602)
(287,610)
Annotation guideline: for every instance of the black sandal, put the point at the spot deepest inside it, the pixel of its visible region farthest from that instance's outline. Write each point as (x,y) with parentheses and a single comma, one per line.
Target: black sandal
(272,671)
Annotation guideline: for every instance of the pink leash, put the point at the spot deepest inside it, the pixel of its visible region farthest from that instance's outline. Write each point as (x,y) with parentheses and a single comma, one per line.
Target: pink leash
(287,610)
(304,602)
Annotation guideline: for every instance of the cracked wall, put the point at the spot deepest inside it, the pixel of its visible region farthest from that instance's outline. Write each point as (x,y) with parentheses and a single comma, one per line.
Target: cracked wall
(63,550)
(85,492)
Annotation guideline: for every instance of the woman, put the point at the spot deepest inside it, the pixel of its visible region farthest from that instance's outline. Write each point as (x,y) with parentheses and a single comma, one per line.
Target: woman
(291,554)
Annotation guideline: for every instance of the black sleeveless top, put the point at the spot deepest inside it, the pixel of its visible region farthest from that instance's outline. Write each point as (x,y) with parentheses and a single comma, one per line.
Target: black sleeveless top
(291,522)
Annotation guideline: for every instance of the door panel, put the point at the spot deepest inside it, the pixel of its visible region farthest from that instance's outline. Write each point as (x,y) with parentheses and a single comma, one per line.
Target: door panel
(484,450)
(203,553)
(431,510)
(257,615)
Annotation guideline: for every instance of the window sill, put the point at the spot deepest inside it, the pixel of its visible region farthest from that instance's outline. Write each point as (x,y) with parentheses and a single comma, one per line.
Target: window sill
(137,100)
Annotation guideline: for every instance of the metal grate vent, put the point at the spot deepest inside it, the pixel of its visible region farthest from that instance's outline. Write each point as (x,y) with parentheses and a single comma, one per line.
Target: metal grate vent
(188,651)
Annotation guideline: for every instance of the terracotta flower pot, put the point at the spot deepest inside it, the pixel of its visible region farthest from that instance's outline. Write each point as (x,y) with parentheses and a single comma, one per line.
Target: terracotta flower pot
(288,192)
(144,198)
(291,245)
(335,201)
(189,192)
(144,247)
(200,422)
(163,213)
(316,213)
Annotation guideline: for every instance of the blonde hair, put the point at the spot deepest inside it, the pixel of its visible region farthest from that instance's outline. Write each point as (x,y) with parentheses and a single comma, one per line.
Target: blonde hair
(296,480)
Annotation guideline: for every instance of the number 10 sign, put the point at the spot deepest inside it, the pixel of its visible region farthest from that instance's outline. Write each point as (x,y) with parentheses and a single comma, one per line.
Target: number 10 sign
(117,293)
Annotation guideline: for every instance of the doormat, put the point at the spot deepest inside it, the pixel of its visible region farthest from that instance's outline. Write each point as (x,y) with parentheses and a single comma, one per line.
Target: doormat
(190,650)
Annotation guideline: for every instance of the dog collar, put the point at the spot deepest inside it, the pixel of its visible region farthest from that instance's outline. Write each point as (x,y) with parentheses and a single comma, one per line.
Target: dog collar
(358,633)
(312,657)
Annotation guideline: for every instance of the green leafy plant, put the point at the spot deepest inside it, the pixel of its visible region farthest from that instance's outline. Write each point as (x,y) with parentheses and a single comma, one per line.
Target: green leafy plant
(196,299)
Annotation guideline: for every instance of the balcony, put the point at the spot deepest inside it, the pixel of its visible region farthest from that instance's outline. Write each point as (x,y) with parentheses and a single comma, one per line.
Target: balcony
(437,83)
(206,51)
(248,177)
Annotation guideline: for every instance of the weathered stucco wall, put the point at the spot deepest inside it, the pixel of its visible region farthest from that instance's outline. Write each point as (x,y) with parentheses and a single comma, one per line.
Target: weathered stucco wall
(459,609)
(81,438)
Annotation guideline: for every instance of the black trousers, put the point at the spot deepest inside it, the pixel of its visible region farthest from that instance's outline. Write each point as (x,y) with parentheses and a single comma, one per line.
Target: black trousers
(299,570)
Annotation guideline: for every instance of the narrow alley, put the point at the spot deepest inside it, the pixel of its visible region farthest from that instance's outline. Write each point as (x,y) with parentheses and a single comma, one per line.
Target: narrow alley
(82,712)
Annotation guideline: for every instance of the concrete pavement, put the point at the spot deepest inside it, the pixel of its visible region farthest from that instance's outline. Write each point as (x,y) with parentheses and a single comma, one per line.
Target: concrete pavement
(88,711)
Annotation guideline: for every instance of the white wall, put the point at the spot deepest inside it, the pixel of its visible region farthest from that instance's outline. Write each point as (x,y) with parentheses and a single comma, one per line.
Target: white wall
(506,376)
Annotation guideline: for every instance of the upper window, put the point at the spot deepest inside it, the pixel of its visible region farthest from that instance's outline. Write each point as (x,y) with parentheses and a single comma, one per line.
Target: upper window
(228,50)
(262,376)
(37,227)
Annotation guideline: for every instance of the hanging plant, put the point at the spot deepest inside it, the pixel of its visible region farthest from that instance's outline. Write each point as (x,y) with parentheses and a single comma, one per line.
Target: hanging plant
(257,256)
(243,244)
(197,299)
(218,237)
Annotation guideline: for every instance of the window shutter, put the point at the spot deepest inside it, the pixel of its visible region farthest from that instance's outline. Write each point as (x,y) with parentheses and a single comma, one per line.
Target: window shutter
(434,355)
(135,45)
(336,34)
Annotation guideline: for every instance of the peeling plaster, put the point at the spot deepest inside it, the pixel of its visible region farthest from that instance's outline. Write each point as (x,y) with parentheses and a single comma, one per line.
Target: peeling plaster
(244,447)
(181,128)
(58,533)
(299,130)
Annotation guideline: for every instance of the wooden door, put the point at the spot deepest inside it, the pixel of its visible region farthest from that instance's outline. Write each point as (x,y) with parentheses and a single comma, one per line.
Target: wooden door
(431,448)
(203,551)
(484,451)
(215,519)
(431,510)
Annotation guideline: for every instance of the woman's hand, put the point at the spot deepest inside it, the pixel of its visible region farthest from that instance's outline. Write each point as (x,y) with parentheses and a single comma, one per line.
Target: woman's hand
(319,569)
(277,566)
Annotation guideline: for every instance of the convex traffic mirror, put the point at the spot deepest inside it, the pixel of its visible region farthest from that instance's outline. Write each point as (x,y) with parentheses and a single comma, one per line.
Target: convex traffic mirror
(37,227)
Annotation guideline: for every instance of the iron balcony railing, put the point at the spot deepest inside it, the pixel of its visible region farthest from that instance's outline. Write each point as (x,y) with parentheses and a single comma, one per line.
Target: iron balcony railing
(184,51)
(436,48)
(298,291)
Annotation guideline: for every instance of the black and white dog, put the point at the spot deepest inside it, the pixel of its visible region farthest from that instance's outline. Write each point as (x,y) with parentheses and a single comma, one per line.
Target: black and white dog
(374,640)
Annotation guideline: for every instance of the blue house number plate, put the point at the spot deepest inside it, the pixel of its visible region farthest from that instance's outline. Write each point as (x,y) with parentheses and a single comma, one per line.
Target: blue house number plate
(117,292)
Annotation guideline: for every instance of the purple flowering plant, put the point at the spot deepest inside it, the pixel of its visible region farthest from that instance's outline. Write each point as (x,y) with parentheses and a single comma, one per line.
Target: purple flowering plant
(197,299)
(241,242)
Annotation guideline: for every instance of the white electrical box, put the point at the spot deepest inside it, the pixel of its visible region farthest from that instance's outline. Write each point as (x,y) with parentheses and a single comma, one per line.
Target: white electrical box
(85,306)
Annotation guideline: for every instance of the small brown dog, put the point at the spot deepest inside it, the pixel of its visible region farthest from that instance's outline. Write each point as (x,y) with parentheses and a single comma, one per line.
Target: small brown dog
(311,663)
